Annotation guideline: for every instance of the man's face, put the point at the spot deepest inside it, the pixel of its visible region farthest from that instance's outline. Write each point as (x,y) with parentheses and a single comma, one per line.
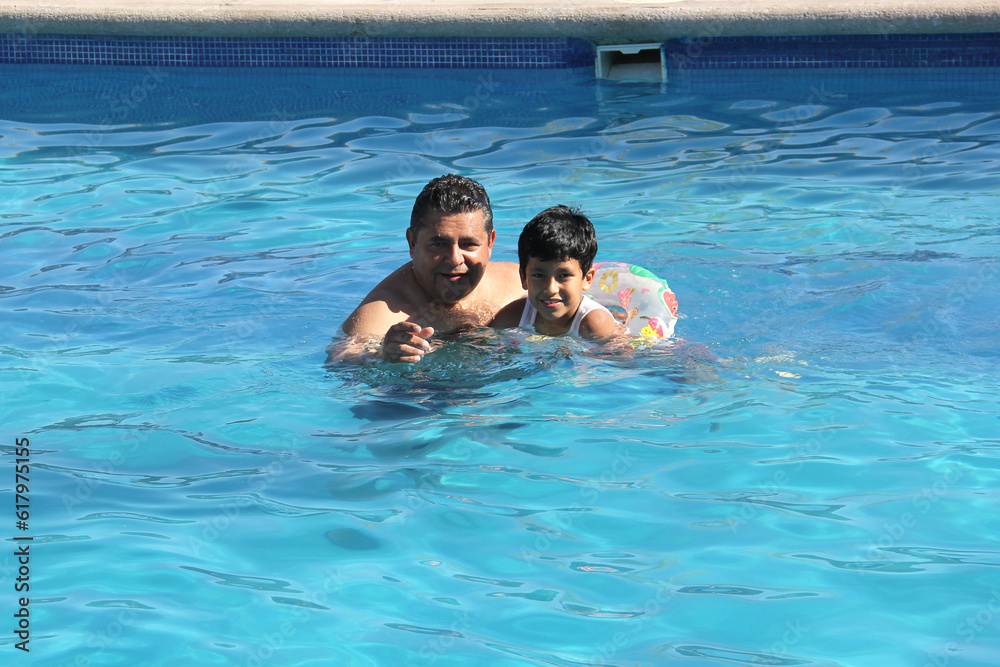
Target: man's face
(450,253)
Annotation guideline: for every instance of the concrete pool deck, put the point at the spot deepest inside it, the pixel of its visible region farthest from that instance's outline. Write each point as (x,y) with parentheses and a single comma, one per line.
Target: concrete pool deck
(600,21)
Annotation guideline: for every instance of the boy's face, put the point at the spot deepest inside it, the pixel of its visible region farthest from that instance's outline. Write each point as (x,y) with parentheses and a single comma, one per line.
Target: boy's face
(555,289)
(450,254)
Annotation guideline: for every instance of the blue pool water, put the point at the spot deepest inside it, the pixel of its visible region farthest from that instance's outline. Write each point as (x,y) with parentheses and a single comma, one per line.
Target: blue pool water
(807,476)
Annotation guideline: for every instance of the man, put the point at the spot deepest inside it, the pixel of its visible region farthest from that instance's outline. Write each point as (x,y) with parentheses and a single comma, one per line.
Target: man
(449,282)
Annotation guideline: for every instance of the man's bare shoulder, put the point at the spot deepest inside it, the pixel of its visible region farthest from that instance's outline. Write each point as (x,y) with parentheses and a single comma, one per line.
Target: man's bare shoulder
(389,302)
(507,269)
(505,282)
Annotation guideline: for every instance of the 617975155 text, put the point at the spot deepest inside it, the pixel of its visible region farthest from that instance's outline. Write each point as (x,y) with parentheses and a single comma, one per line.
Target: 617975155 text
(22,543)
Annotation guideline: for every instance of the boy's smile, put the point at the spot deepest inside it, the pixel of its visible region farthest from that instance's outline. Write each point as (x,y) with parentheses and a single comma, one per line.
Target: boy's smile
(555,288)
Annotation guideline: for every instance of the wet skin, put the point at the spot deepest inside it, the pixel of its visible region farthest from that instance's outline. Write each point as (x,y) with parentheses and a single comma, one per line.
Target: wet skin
(449,284)
(449,255)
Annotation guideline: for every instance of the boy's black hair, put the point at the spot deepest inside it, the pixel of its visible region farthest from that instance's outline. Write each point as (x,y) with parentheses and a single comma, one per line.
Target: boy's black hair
(558,233)
(451,193)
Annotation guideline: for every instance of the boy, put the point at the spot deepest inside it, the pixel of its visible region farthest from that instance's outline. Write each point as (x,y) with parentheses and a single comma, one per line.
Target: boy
(556,252)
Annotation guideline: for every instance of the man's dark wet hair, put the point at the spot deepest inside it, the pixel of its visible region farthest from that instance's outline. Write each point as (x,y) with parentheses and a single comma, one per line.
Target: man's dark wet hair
(558,233)
(451,193)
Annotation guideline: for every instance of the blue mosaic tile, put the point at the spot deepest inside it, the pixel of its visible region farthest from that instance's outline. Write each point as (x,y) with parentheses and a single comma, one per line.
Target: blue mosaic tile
(833,51)
(719,53)
(384,52)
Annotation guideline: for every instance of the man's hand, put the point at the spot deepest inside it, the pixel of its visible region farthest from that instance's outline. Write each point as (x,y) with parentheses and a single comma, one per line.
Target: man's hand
(406,341)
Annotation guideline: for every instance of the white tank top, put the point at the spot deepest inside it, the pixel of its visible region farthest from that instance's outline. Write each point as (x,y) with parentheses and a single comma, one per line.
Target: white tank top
(586,306)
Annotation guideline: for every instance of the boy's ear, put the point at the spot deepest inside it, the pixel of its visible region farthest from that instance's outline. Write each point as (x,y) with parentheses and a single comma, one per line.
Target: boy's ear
(588,279)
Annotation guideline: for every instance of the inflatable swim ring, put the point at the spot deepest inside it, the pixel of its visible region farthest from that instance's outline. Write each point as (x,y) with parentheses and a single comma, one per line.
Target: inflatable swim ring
(643,302)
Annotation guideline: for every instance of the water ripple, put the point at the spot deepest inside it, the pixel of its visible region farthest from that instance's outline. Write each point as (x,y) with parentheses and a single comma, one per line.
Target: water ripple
(244,581)
(734,656)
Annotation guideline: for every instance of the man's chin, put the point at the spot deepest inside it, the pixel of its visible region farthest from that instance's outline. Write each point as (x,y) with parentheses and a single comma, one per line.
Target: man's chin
(451,299)
(451,293)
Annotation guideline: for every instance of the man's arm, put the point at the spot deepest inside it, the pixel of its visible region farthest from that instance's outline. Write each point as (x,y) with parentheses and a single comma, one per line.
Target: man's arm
(509,316)
(405,341)
(373,317)
(383,314)
(354,350)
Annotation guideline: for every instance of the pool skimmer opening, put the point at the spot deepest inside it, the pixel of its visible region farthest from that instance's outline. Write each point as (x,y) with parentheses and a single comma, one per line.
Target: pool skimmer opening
(635,62)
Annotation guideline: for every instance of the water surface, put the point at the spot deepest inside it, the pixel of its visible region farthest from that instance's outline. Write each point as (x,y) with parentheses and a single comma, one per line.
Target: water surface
(804,476)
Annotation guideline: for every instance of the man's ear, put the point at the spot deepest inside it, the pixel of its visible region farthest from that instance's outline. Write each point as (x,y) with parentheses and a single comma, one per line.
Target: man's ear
(588,279)
(411,240)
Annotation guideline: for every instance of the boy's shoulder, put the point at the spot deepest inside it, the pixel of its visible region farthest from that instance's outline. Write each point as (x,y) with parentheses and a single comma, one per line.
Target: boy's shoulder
(598,321)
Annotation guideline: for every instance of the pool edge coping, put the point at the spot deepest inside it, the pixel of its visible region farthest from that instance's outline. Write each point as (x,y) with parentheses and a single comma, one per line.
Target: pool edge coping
(598,21)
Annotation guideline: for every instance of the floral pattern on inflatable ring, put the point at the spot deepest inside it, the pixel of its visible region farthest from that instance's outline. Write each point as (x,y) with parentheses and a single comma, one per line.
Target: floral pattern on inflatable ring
(638,298)
(608,281)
